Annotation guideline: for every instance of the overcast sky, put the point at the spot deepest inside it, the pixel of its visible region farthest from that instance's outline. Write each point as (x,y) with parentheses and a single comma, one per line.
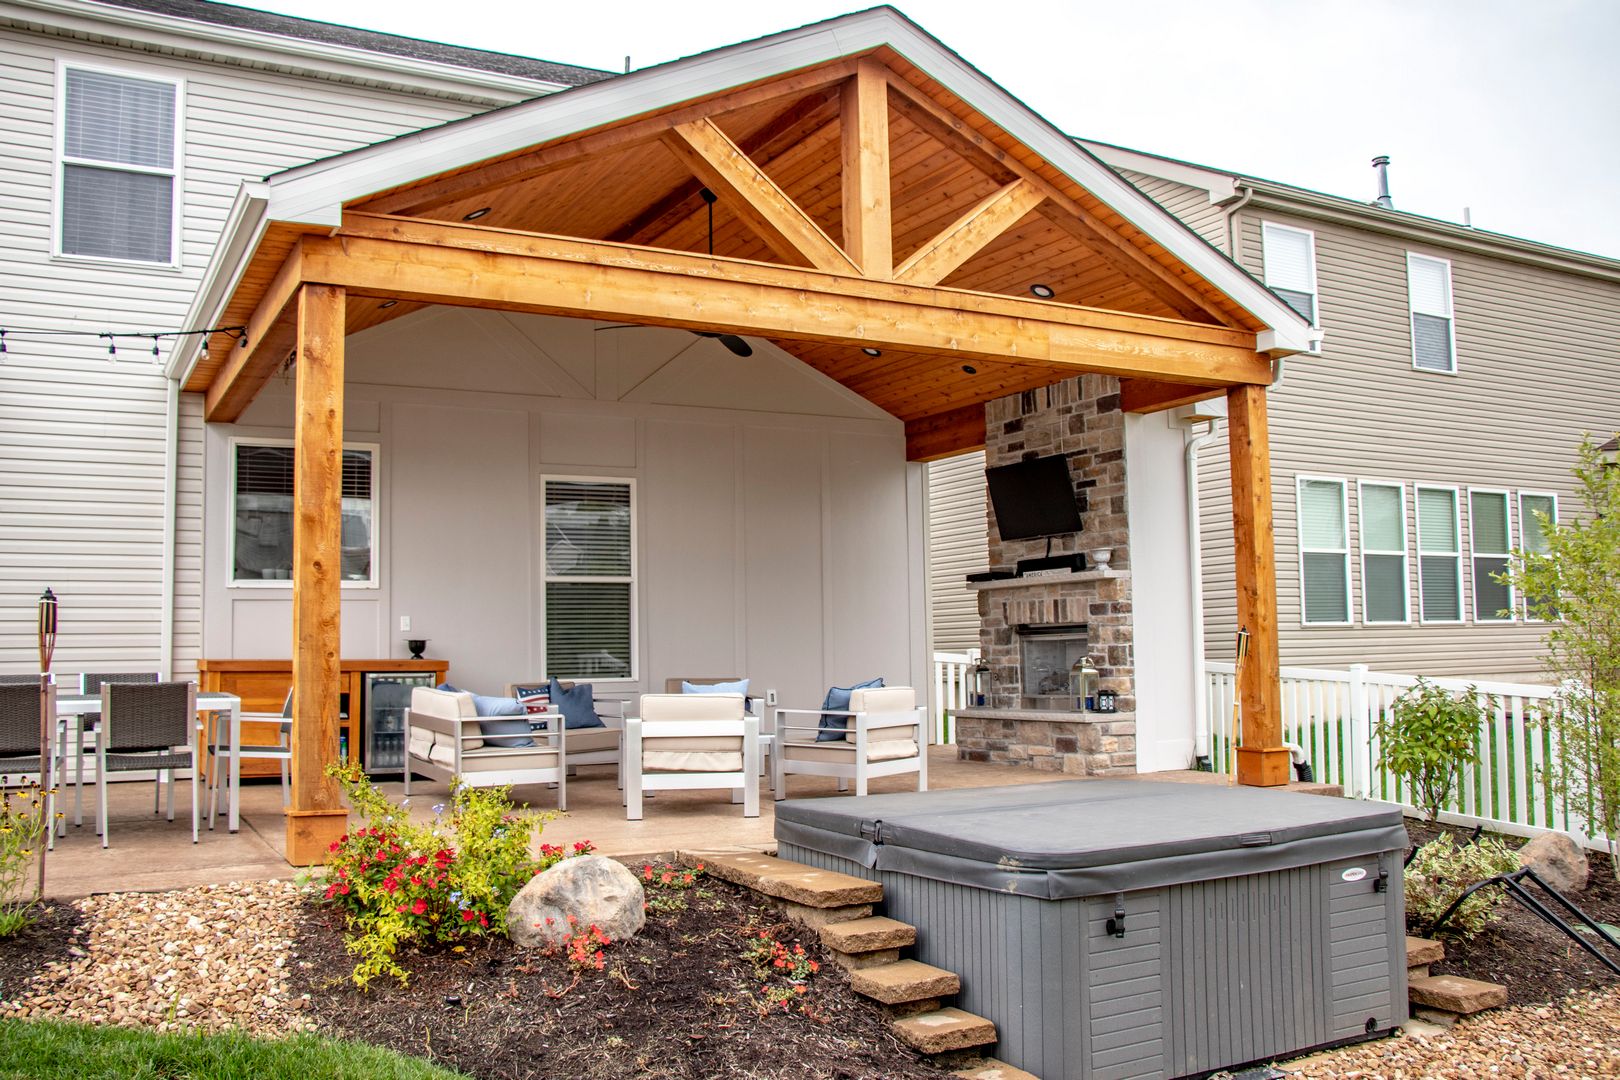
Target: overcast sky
(1509,108)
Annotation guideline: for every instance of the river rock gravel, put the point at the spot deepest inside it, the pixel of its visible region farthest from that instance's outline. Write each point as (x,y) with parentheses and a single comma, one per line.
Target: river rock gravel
(210,957)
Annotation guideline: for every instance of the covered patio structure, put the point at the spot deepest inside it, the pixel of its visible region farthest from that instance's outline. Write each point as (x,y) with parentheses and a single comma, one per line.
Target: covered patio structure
(851,193)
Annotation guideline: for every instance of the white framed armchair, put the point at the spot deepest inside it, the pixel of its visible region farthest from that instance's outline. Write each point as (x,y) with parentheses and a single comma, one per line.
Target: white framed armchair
(691,741)
(444,741)
(584,745)
(887,734)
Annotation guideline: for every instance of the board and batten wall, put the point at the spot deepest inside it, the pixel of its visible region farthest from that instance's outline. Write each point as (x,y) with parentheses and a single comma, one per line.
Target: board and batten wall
(82,432)
(779,526)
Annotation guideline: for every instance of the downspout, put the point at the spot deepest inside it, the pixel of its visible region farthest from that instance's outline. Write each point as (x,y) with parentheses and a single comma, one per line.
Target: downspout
(1195,569)
(171,481)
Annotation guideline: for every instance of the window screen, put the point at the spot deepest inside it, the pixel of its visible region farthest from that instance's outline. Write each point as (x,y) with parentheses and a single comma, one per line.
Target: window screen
(590,578)
(1429,289)
(1290,263)
(262,546)
(1533,510)
(1488,531)
(118,166)
(1383,553)
(1439,555)
(1324,552)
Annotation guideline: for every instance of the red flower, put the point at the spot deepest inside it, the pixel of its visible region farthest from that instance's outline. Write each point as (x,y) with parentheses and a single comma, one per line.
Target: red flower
(420,907)
(467,916)
(333,846)
(415,880)
(344,889)
(483,920)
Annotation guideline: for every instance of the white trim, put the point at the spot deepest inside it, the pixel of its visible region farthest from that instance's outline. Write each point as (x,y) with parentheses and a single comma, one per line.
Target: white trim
(60,162)
(1300,480)
(633,579)
(1506,556)
(1222,187)
(1267,227)
(245,226)
(231,581)
(1404,553)
(1456,525)
(1450,316)
(1553,495)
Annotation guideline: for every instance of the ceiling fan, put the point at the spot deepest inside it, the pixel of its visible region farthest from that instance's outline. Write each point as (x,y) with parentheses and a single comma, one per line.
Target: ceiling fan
(736,344)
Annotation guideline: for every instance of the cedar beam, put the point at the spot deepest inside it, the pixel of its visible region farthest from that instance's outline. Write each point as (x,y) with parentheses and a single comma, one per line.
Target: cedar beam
(317,815)
(465,265)
(270,336)
(1149,396)
(1262,760)
(868,217)
(754,196)
(945,434)
(970,233)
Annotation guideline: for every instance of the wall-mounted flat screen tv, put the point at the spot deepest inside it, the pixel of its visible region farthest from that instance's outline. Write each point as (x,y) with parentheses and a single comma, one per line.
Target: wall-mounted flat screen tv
(1033,498)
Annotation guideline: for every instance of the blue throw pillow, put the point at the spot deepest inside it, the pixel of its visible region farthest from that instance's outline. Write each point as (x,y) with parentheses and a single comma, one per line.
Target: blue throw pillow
(512,732)
(834,728)
(738,687)
(578,705)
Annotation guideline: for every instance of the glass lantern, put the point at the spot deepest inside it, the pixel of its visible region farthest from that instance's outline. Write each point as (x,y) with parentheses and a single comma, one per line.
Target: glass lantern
(1083,683)
(981,684)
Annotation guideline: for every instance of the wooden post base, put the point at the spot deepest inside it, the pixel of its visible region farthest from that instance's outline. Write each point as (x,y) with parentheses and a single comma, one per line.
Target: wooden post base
(1262,766)
(311,833)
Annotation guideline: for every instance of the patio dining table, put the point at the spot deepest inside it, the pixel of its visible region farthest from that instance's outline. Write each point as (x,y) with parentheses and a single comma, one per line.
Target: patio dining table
(72,709)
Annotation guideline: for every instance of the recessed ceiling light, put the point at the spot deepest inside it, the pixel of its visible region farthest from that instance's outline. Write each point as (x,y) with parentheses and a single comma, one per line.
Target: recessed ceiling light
(869,351)
(1045,292)
(970,369)
(476,214)
(388,303)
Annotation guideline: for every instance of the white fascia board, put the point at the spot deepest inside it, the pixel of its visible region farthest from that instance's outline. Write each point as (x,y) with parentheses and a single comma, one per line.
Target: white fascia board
(1222,187)
(245,225)
(317,188)
(192,37)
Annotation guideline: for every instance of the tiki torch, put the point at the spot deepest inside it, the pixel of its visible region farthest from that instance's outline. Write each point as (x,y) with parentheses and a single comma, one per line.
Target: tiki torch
(47,630)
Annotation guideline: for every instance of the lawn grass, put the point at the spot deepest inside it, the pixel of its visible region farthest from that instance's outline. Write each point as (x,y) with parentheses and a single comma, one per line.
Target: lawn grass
(48,1049)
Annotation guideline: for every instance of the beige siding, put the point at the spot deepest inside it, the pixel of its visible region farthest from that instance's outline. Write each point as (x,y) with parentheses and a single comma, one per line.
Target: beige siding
(1190,204)
(957,526)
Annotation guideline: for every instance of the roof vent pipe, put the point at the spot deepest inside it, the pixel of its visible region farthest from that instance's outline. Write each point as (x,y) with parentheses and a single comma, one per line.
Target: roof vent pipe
(1381,164)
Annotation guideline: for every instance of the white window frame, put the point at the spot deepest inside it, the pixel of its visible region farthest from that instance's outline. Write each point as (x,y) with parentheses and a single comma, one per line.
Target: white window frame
(1267,227)
(1404,553)
(1474,554)
(1456,521)
(61,160)
(1524,601)
(232,582)
(1299,534)
(634,579)
(1451,310)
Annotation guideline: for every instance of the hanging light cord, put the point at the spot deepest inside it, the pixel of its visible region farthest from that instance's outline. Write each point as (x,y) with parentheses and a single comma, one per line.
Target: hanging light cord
(112,337)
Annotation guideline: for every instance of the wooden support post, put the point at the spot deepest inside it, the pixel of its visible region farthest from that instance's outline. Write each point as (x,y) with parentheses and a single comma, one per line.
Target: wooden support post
(317,816)
(868,230)
(1262,759)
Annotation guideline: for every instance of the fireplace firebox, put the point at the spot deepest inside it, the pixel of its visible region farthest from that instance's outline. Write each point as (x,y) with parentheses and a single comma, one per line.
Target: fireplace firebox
(1047,654)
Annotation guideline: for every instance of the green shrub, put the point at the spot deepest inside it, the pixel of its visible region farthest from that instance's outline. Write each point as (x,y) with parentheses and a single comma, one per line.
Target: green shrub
(1426,738)
(23,821)
(399,882)
(1443,870)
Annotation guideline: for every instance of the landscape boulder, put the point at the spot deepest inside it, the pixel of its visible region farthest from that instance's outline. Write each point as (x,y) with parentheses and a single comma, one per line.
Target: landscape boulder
(1559,861)
(594,889)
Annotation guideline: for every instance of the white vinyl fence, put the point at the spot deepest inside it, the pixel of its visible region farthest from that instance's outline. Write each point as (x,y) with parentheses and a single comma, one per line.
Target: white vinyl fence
(951,690)
(1331,715)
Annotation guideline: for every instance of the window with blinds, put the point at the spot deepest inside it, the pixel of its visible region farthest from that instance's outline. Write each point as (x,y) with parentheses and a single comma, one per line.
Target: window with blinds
(590,578)
(1289,255)
(1489,531)
(262,519)
(1382,509)
(120,148)
(1439,555)
(1428,284)
(1324,552)
(1537,512)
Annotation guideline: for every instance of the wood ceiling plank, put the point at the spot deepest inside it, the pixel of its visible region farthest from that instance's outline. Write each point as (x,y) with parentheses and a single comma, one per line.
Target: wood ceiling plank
(868,228)
(271,333)
(945,434)
(970,234)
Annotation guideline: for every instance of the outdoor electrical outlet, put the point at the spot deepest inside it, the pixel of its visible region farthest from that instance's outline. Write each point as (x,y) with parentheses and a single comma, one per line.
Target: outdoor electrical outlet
(404,624)
(770,697)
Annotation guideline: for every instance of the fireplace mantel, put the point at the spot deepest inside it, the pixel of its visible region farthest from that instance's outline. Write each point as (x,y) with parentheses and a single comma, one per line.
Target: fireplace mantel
(1051,579)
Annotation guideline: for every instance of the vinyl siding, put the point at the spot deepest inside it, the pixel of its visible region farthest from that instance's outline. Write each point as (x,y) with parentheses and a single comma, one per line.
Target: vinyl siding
(82,433)
(957,546)
(1190,204)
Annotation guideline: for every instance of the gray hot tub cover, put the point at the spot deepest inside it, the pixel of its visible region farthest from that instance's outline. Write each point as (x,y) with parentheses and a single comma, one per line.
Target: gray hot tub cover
(1090,837)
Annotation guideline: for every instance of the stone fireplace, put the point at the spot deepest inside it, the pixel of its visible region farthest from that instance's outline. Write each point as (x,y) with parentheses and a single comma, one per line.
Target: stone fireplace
(1032,629)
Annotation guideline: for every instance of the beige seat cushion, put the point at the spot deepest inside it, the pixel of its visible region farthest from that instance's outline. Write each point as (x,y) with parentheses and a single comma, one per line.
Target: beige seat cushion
(504,760)
(844,753)
(691,753)
(690,761)
(591,739)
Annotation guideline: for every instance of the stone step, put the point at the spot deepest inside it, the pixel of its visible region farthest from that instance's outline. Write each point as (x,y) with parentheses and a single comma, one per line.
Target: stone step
(945,1030)
(991,1069)
(904,980)
(1454,994)
(1422,951)
(783,880)
(868,935)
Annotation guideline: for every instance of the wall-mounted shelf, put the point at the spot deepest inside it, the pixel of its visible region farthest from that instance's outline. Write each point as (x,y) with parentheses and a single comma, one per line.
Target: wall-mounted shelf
(1053,579)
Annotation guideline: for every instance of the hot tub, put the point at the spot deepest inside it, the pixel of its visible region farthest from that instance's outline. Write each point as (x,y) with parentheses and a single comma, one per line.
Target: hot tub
(1128,928)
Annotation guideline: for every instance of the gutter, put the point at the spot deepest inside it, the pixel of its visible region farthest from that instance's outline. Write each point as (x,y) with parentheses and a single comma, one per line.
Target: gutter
(1195,601)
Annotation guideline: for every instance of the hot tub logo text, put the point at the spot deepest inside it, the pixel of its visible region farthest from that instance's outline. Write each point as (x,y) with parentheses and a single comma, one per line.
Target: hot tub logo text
(1355,873)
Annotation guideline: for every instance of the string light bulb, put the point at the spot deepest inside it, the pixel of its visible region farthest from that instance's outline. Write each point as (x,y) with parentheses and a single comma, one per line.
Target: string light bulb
(154,345)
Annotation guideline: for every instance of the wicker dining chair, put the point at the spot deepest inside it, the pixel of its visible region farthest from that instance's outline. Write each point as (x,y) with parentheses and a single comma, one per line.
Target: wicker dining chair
(146,726)
(91,682)
(21,748)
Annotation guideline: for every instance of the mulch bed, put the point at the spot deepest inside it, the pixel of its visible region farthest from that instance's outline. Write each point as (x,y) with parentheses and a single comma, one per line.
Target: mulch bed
(52,936)
(678,1000)
(1535,961)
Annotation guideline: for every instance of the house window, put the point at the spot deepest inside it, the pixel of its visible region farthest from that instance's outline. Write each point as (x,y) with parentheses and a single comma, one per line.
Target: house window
(1290,266)
(590,577)
(119,152)
(1384,596)
(1428,284)
(262,514)
(1489,539)
(1535,509)
(1439,555)
(1324,552)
